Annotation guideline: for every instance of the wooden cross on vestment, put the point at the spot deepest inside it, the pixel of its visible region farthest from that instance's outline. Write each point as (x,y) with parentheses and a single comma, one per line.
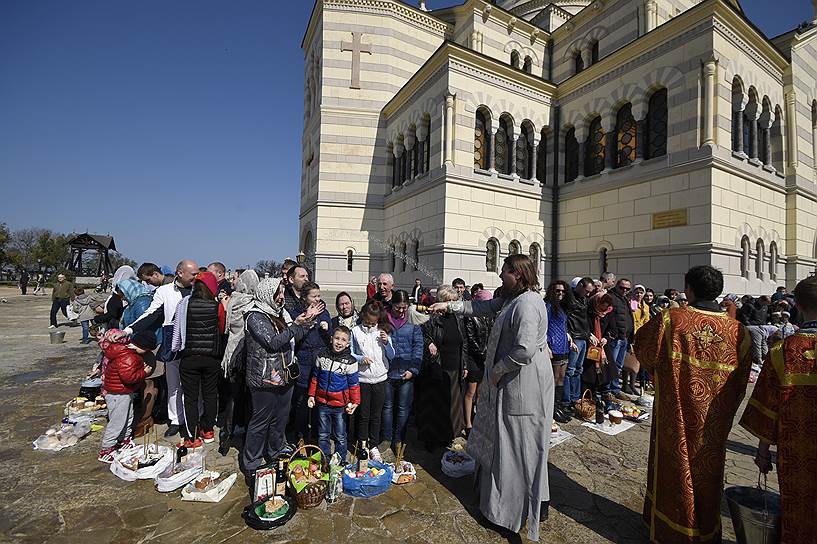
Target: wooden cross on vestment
(356,47)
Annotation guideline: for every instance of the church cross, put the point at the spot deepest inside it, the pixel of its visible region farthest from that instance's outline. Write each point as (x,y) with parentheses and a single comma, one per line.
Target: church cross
(356,47)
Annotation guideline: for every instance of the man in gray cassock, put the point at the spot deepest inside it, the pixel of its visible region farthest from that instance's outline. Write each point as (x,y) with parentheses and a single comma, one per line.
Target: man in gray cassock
(510,440)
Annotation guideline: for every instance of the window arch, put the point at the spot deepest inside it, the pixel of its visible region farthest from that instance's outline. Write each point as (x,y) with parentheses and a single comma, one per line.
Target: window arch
(350,256)
(524,151)
(403,256)
(571,156)
(745,252)
(528,65)
(595,148)
(773,261)
(578,62)
(515,59)
(541,157)
(760,257)
(535,253)
(737,115)
(482,140)
(492,255)
(503,142)
(657,125)
(594,52)
(416,253)
(514,248)
(626,136)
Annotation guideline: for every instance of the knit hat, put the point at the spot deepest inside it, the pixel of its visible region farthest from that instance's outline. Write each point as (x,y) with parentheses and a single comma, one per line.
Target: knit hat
(208,279)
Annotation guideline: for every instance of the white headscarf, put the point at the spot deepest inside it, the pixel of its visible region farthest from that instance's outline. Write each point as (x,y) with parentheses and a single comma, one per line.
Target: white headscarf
(264,299)
(247,282)
(123,273)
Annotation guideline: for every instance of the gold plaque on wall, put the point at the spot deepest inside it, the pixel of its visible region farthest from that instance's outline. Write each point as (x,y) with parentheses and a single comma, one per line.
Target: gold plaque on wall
(671,218)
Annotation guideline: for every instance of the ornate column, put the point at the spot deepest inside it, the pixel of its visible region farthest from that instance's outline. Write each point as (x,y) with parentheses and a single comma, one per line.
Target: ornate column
(651,15)
(581,138)
(708,136)
(608,125)
(422,134)
(791,130)
(397,177)
(640,115)
(449,129)
(766,132)
(753,139)
(492,150)
(513,156)
(409,141)
(738,135)
(533,158)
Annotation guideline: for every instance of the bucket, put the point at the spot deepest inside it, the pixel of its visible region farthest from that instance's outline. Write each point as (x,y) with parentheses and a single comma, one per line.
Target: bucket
(755,514)
(57,337)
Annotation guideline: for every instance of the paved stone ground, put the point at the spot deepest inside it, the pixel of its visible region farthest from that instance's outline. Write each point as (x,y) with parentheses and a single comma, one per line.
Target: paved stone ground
(597,481)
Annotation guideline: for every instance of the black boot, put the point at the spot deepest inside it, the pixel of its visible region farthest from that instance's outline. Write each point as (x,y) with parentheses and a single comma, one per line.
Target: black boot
(558,411)
(629,379)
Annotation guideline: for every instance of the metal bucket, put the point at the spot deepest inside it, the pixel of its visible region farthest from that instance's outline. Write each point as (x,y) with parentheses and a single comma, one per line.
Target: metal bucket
(755,514)
(57,337)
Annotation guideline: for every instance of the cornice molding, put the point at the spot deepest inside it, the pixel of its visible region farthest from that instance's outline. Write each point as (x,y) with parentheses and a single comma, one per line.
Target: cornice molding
(406,12)
(488,77)
(728,32)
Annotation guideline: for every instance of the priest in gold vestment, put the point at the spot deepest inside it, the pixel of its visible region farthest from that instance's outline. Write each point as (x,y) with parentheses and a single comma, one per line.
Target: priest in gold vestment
(699,359)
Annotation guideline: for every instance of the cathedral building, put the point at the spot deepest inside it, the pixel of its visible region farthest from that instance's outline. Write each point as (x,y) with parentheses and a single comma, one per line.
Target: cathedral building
(637,136)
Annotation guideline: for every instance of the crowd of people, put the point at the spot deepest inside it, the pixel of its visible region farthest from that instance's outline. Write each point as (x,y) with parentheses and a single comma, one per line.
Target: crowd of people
(266,362)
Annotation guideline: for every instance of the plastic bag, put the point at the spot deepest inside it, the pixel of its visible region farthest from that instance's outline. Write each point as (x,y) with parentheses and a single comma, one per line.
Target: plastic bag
(335,489)
(367,487)
(214,494)
(252,515)
(125,462)
(62,436)
(457,464)
(177,475)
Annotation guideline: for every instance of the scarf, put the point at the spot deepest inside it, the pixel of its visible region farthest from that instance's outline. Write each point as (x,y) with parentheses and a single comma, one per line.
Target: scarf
(397,322)
(348,322)
(124,273)
(247,282)
(264,299)
(132,289)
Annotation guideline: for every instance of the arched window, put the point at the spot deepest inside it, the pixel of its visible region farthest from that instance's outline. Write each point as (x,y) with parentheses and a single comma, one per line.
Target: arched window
(657,125)
(393,251)
(603,265)
(416,255)
(542,157)
(535,256)
(745,252)
(492,255)
(528,65)
(427,143)
(403,257)
(626,136)
(514,248)
(349,259)
(524,151)
(578,62)
(595,149)
(503,142)
(395,162)
(764,127)
(514,59)
(761,256)
(777,139)
(594,52)
(737,115)
(414,158)
(773,261)
(571,156)
(482,141)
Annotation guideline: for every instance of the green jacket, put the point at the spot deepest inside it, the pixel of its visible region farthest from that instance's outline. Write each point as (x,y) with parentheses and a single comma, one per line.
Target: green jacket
(64,290)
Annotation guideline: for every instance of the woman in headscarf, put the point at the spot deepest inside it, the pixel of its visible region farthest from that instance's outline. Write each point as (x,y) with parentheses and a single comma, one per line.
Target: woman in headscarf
(231,387)
(599,373)
(271,371)
(139,296)
(347,313)
(110,313)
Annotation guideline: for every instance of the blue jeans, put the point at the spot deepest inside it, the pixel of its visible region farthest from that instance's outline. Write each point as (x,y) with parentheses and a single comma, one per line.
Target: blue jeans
(331,422)
(403,390)
(618,350)
(85,336)
(573,380)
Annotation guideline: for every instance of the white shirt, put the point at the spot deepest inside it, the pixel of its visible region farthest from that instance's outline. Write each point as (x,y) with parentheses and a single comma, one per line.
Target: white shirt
(366,342)
(167,297)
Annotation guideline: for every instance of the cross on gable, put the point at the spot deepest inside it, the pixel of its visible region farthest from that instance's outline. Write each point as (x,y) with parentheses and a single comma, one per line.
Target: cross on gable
(356,46)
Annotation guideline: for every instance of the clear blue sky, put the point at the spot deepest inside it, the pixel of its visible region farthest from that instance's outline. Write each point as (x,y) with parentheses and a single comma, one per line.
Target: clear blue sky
(173,125)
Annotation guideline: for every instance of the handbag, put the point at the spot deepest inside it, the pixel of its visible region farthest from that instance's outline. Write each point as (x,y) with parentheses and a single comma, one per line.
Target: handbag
(631,363)
(595,353)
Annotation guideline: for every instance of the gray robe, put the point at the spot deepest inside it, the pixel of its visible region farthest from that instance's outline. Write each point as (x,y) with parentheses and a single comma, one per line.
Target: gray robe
(510,440)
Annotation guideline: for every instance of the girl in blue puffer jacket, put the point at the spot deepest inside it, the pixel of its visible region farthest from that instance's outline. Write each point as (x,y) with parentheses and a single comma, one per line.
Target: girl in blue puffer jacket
(407,340)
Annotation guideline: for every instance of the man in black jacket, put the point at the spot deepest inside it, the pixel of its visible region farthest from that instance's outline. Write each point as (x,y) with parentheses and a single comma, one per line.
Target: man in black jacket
(753,314)
(578,326)
(623,319)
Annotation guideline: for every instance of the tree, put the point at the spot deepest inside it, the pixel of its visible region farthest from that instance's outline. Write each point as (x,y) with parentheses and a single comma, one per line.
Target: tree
(23,242)
(5,238)
(117,260)
(271,267)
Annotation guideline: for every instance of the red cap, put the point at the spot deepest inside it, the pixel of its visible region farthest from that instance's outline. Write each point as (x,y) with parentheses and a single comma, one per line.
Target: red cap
(208,279)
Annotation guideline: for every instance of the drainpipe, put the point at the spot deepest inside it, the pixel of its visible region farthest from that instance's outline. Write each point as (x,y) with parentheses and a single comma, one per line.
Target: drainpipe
(554,214)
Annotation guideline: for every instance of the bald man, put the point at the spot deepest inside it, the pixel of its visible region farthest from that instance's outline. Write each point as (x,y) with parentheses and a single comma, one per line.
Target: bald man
(160,315)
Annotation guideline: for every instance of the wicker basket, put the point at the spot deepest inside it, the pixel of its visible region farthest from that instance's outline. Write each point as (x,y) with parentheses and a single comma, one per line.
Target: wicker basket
(313,494)
(585,407)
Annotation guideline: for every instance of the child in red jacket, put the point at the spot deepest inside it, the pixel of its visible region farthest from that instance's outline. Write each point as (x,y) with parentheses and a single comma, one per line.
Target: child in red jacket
(124,375)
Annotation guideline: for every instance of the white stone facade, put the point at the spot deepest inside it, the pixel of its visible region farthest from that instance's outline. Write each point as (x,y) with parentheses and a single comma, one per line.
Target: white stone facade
(644,136)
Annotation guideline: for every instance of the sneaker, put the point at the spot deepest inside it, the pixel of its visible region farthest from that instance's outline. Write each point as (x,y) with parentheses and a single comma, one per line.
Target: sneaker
(208,436)
(52,326)
(106,455)
(127,443)
(191,444)
(172,430)
(621,395)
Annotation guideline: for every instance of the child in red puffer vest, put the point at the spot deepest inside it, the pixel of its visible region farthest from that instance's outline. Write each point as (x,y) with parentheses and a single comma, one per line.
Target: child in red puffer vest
(124,374)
